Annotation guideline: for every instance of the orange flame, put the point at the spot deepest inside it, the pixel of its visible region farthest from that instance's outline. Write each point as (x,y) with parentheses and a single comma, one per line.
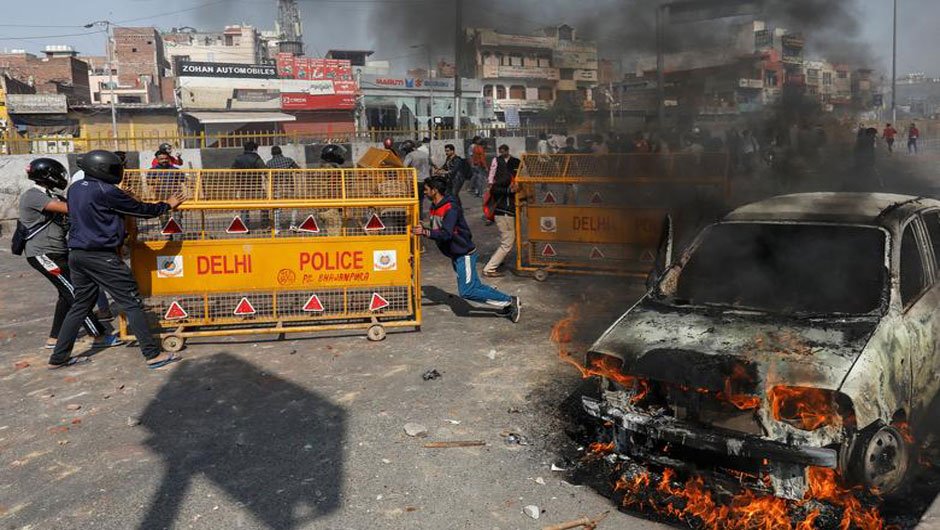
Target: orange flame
(694,504)
(598,448)
(809,408)
(601,366)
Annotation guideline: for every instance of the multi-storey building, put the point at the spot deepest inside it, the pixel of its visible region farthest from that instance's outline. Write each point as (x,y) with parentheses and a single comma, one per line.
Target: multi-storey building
(525,74)
(59,71)
(235,45)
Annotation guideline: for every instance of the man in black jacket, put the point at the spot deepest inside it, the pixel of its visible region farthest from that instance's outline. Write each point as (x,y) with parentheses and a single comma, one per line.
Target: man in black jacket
(455,170)
(97,208)
(503,192)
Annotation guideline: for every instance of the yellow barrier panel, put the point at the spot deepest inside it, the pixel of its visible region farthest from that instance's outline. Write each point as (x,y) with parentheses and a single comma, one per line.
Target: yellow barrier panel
(278,251)
(605,213)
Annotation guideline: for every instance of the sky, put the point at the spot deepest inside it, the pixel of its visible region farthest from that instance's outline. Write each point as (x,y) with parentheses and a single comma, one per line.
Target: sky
(345,24)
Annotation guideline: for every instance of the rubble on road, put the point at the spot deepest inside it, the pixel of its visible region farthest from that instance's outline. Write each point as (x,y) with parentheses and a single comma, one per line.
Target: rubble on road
(532,511)
(416,430)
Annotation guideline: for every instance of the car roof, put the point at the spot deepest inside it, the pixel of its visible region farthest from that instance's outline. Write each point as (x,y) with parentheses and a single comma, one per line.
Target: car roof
(875,209)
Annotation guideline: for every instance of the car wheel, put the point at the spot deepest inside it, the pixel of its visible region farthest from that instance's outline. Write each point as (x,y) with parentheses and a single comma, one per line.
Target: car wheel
(882,458)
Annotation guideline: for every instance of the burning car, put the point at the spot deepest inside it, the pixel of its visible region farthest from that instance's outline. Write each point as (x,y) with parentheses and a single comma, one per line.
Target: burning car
(797,333)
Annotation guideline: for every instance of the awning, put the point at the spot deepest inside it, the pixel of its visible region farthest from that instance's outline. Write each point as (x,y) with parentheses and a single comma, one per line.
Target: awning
(241,117)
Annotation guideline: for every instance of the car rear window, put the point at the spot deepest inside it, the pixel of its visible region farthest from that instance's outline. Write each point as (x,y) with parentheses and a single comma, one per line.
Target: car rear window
(786,268)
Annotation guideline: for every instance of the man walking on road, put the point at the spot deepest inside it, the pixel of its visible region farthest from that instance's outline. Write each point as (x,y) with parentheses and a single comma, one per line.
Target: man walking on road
(503,191)
(889,135)
(913,134)
(97,208)
(455,171)
(450,231)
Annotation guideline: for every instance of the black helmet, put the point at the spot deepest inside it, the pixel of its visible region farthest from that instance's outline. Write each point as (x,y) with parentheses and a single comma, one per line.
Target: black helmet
(48,173)
(408,146)
(333,154)
(166,148)
(103,165)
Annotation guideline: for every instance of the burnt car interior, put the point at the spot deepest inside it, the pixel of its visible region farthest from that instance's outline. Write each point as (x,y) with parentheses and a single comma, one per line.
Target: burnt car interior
(789,269)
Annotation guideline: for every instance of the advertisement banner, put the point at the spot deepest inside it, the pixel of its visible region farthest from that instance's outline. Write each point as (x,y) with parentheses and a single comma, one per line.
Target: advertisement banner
(316,84)
(227,70)
(319,102)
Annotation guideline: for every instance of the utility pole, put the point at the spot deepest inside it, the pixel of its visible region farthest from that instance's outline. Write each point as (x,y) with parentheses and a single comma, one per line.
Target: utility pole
(458,88)
(108,25)
(894,69)
(661,13)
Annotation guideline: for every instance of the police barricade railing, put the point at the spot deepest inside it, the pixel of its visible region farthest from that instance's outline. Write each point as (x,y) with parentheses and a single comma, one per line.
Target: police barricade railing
(604,214)
(278,251)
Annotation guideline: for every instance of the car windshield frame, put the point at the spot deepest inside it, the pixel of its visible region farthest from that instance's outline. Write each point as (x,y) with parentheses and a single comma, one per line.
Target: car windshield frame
(672,275)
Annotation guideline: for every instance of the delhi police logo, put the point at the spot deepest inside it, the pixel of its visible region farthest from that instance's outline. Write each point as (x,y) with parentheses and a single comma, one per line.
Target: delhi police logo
(548,224)
(385,260)
(169,266)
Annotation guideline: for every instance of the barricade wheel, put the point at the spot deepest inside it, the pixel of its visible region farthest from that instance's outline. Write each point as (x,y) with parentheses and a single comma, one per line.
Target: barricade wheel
(541,275)
(173,343)
(376,333)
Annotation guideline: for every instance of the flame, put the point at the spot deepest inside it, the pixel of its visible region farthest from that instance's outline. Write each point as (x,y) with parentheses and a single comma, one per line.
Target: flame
(809,408)
(600,366)
(694,504)
(741,401)
(905,429)
(598,448)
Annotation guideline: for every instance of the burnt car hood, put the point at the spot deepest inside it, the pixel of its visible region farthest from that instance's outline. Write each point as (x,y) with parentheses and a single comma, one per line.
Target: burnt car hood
(699,348)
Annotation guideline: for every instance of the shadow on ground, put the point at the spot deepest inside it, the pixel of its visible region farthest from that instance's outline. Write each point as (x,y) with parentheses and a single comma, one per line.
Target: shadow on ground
(461,308)
(271,445)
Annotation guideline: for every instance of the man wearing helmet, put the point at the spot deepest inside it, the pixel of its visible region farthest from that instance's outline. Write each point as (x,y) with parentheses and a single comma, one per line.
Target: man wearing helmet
(175,160)
(96,214)
(45,215)
(332,156)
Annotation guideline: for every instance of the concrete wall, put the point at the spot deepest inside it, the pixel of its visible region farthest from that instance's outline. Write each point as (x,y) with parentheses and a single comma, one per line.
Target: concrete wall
(13,181)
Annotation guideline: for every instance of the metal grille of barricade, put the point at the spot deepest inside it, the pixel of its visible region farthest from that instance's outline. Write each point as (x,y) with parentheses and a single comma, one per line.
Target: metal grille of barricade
(605,213)
(271,185)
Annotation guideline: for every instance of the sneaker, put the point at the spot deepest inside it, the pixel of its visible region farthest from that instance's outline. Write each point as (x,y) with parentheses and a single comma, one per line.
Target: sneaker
(515,310)
(108,341)
(104,316)
(493,274)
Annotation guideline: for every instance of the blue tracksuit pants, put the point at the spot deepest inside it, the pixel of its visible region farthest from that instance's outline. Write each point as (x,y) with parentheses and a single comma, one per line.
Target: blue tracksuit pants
(471,288)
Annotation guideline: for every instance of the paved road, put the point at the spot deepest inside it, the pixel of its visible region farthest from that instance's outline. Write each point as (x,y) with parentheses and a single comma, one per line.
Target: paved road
(302,433)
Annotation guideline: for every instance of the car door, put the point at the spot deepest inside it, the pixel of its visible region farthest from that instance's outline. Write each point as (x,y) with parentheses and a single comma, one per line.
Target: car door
(919,298)
(925,316)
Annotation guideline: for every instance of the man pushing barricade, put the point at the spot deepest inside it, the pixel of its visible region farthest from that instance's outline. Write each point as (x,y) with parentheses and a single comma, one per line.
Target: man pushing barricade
(97,208)
(449,229)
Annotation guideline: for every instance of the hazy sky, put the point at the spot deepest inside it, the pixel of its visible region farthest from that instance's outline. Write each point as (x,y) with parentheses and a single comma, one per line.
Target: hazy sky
(344,24)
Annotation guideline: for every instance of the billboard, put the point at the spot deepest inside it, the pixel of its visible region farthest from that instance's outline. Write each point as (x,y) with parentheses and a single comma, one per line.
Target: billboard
(227,70)
(316,84)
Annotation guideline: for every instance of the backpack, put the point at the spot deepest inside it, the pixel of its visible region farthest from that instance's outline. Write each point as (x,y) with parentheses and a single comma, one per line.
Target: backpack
(22,234)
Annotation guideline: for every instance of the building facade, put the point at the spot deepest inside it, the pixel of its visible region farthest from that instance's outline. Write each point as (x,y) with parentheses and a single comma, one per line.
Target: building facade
(235,44)
(525,74)
(59,71)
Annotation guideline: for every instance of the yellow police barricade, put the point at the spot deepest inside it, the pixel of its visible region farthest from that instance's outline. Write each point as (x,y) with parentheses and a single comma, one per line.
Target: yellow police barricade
(605,214)
(278,251)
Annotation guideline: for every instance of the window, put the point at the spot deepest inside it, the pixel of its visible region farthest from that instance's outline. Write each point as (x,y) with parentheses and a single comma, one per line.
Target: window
(932,220)
(827,78)
(567,74)
(843,74)
(500,92)
(566,33)
(515,60)
(912,267)
(770,78)
(544,62)
(517,92)
(546,93)
(149,43)
(134,50)
(488,91)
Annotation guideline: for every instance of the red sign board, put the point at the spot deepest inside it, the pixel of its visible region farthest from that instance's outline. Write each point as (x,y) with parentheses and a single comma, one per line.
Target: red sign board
(311,102)
(332,84)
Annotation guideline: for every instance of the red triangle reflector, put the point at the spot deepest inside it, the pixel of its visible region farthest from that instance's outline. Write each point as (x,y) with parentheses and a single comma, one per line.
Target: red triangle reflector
(171,227)
(548,251)
(314,305)
(378,302)
(596,198)
(244,308)
(375,223)
(549,198)
(648,257)
(237,227)
(175,312)
(597,254)
(309,225)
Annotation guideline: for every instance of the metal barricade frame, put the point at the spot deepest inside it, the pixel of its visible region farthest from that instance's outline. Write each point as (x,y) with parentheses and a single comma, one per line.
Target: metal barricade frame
(604,214)
(277,252)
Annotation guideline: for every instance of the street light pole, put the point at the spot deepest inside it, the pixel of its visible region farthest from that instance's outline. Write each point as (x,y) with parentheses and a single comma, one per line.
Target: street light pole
(110,45)
(894,68)
(458,87)
(661,12)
